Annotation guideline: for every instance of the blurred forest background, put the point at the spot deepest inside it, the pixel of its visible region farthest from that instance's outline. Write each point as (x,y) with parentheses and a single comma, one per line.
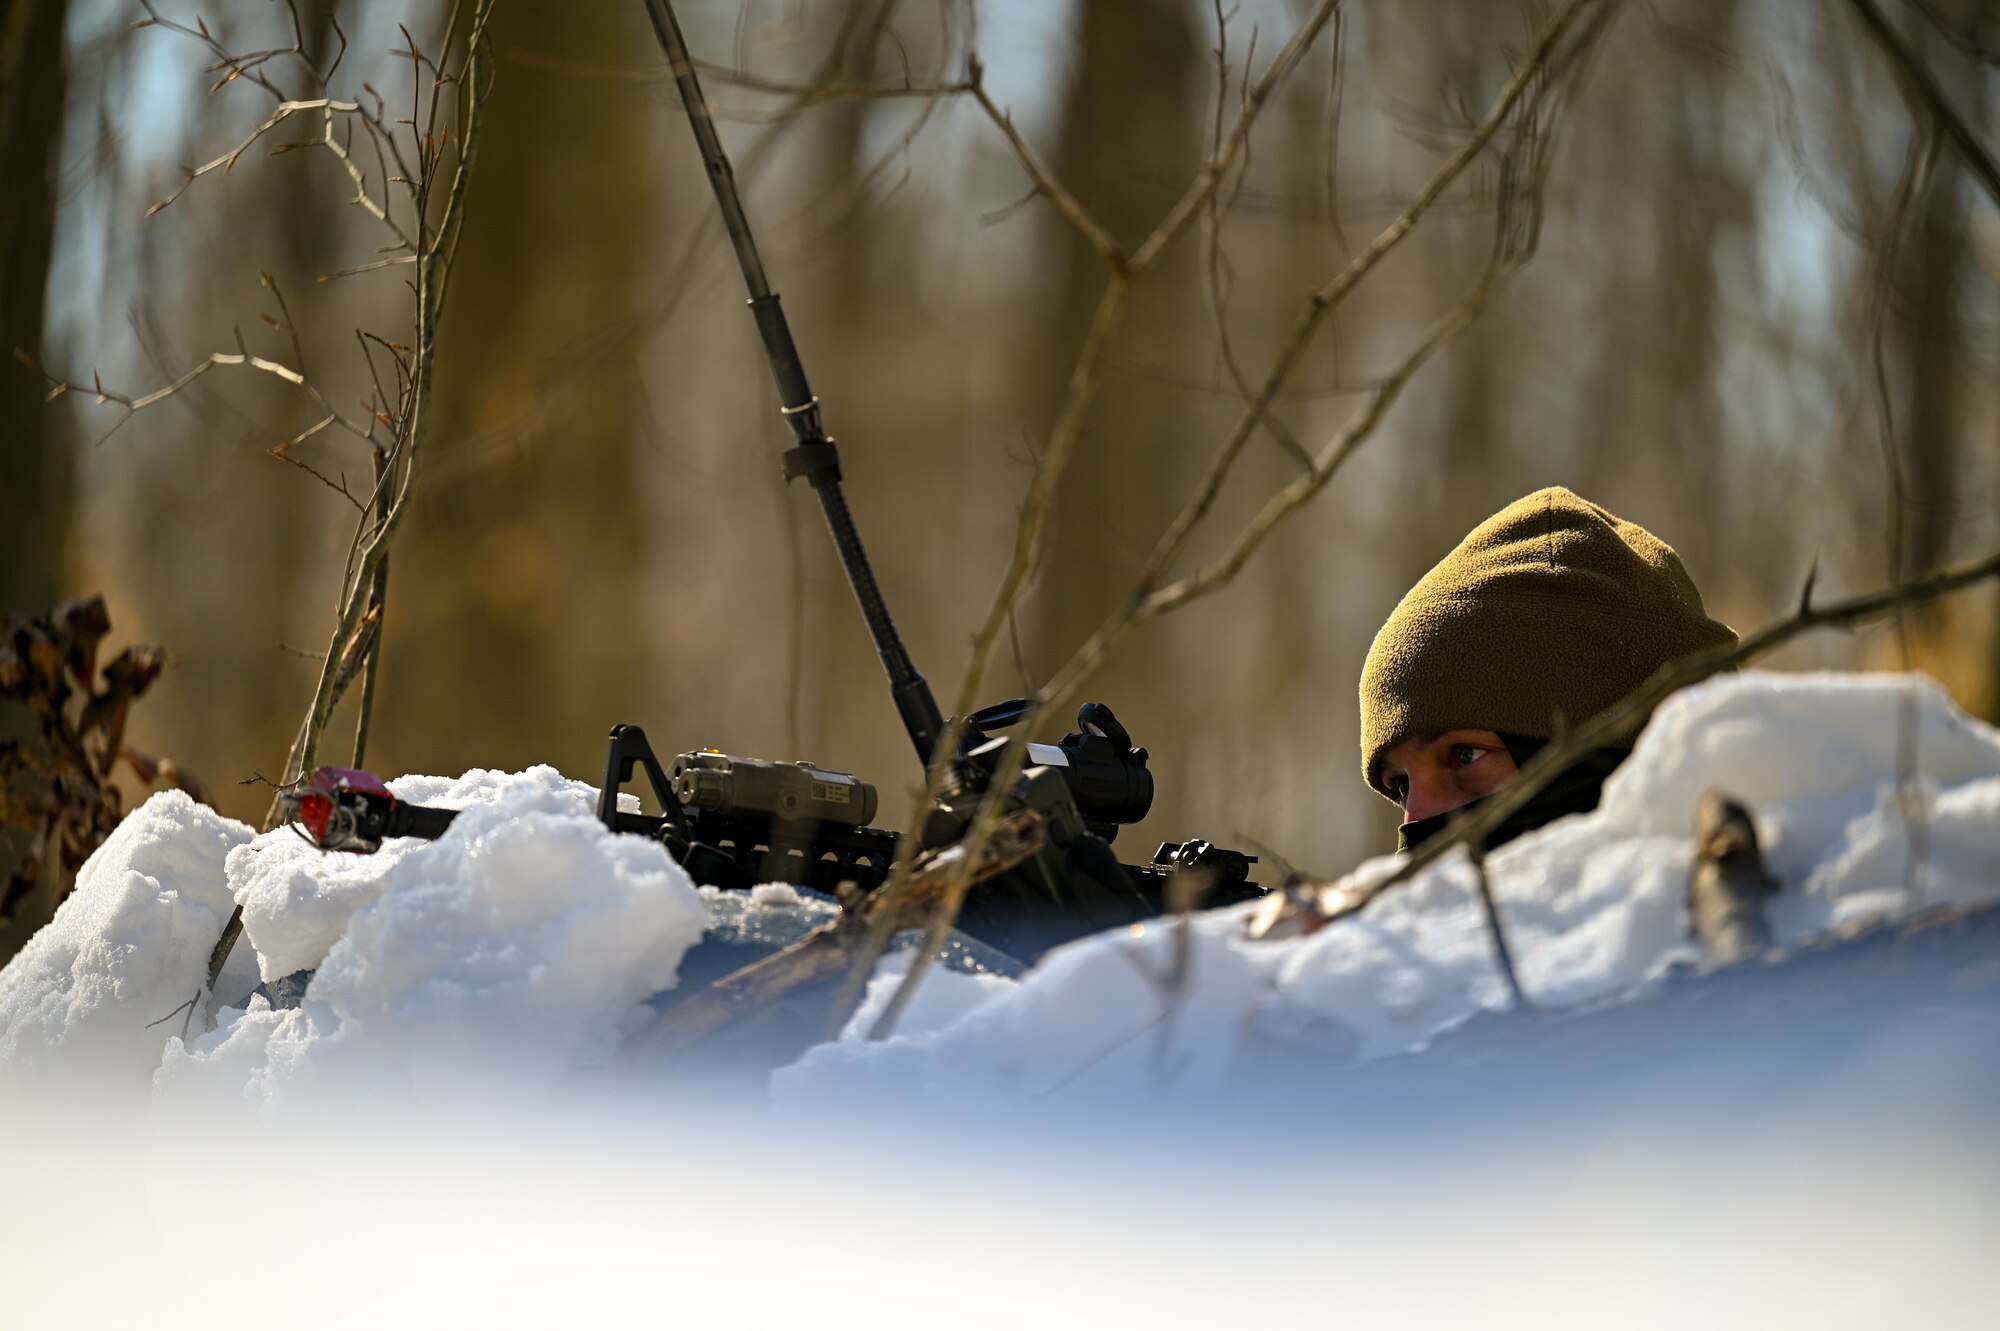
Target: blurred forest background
(1751,246)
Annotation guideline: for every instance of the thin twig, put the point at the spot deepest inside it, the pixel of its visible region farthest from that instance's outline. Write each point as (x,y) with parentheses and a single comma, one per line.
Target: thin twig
(1503,956)
(1217,168)
(436,250)
(1044,179)
(246,66)
(134,404)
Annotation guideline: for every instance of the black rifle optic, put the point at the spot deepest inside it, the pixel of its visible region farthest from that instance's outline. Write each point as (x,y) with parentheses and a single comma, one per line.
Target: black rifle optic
(735,822)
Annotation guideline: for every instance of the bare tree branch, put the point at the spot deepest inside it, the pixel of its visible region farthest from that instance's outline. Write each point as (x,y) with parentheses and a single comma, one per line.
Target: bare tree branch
(1920,89)
(1190,204)
(448,97)
(1513,245)
(246,65)
(1519,208)
(1985,52)
(1328,297)
(1045,181)
(802,94)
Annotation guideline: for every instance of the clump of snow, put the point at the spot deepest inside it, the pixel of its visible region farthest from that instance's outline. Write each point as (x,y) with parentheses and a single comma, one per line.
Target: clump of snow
(774,894)
(1593,906)
(510,952)
(128,947)
(297,899)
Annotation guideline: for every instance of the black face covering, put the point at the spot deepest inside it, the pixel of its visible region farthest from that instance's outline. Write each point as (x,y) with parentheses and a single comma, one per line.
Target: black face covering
(1575,791)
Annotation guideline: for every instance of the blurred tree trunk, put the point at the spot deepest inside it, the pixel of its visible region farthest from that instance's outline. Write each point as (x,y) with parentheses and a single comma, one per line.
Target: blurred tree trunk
(1663,182)
(1982,695)
(1953,640)
(1934,272)
(1612,394)
(1697,255)
(1311,250)
(514,611)
(1459,476)
(34,476)
(1132,139)
(1477,380)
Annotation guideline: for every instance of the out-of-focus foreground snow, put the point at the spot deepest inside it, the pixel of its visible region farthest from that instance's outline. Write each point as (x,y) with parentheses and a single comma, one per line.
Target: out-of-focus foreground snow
(455,1112)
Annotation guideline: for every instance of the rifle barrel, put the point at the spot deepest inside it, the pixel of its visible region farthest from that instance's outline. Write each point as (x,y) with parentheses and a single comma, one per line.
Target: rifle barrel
(814,455)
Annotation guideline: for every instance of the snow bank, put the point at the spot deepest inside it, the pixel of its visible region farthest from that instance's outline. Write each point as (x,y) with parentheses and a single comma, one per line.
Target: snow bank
(1709,1188)
(1593,906)
(297,899)
(87,996)
(517,952)
(504,956)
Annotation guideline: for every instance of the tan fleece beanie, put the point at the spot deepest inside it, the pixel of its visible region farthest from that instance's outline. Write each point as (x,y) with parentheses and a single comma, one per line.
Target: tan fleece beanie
(1551,607)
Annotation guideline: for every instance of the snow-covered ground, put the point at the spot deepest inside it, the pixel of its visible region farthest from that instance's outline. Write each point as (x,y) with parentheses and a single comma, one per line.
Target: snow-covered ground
(131,944)
(1103,1140)
(519,948)
(1593,907)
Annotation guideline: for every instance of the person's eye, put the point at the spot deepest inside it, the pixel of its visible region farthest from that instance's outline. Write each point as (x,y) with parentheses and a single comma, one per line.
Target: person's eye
(1399,786)
(1464,755)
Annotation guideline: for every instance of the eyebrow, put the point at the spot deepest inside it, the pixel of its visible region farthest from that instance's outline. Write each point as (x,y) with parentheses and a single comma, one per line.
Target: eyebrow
(1426,740)
(1423,740)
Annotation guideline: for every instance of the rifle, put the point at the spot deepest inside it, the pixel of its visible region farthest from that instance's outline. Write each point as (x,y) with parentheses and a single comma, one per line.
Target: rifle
(734,822)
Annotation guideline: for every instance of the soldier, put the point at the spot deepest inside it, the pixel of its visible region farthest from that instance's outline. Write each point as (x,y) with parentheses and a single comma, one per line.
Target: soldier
(1548,612)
